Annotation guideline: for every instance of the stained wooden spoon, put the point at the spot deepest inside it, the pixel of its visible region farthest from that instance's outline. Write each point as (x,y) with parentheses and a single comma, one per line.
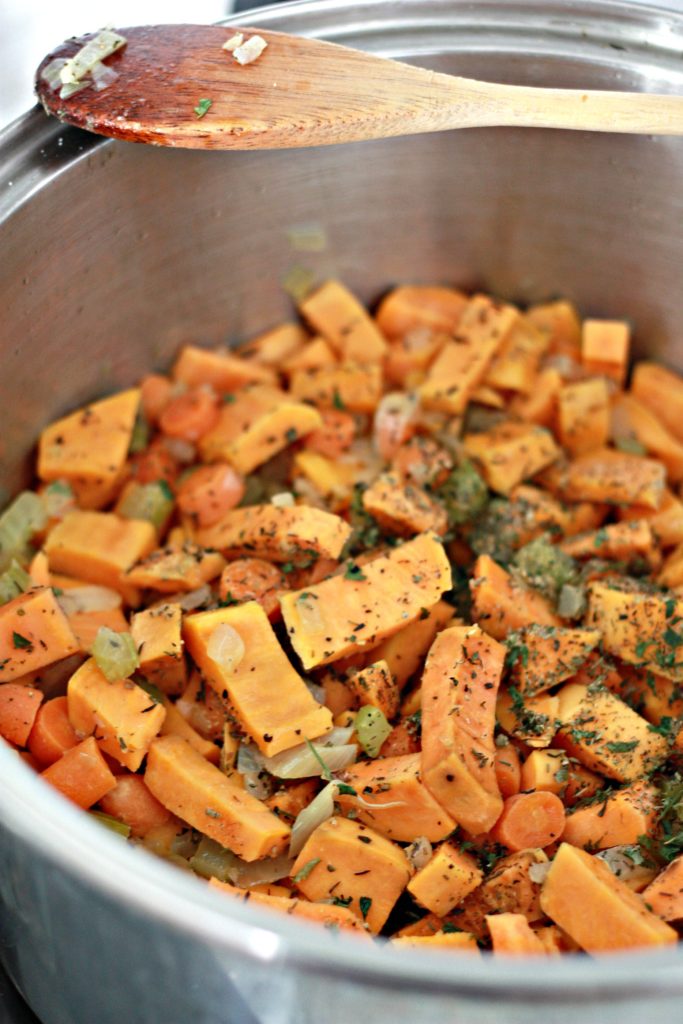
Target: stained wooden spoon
(177,86)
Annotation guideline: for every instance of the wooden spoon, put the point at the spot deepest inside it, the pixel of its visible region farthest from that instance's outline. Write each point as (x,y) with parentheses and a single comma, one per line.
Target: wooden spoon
(304,92)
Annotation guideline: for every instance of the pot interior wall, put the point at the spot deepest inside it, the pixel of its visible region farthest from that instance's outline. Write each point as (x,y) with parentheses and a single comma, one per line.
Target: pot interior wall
(132,250)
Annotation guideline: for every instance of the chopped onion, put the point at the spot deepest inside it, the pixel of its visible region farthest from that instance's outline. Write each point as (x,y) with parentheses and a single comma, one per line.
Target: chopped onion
(102,76)
(115,653)
(88,599)
(310,616)
(620,861)
(306,490)
(319,810)
(335,737)
(250,50)
(52,72)
(18,523)
(233,42)
(183,451)
(258,784)
(249,759)
(103,45)
(394,422)
(316,692)
(301,762)
(58,499)
(262,872)
(419,852)
(285,499)
(225,647)
(72,88)
(538,871)
(192,599)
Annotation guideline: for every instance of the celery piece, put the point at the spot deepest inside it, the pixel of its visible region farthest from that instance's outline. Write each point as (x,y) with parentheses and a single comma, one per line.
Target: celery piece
(18,523)
(58,497)
(111,823)
(13,581)
(115,654)
(211,860)
(141,434)
(152,502)
(372,729)
(545,567)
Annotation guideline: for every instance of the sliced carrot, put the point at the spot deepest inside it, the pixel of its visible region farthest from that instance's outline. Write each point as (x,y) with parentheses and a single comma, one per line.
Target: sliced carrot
(131,802)
(155,393)
(81,774)
(507,764)
(18,709)
(52,733)
(253,579)
(529,819)
(155,463)
(334,436)
(209,492)
(191,415)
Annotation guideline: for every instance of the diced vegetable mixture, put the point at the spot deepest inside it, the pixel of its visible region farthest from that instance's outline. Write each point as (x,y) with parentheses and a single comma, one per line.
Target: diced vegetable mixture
(377,619)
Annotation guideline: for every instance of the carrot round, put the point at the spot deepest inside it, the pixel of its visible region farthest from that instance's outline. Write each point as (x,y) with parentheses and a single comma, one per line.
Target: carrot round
(131,802)
(18,709)
(156,463)
(209,492)
(191,415)
(155,395)
(252,579)
(81,774)
(508,770)
(401,740)
(334,436)
(529,820)
(52,733)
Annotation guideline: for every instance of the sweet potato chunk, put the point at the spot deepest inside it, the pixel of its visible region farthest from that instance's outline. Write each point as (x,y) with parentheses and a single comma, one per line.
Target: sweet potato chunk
(224,371)
(171,569)
(326,914)
(268,695)
(510,453)
(605,348)
(157,635)
(500,604)
(515,365)
(618,820)
(278,534)
(411,306)
(403,508)
(617,478)
(606,735)
(122,716)
(349,386)
(512,935)
(665,894)
(459,686)
(395,781)
(599,911)
(81,774)
(583,416)
(543,656)
(349,612)
(446,879)
(638,626)
(338,315)
(199,793)
(99,547)
(89,447)
(461,365)
(34,632)
(342,849)
(258,424)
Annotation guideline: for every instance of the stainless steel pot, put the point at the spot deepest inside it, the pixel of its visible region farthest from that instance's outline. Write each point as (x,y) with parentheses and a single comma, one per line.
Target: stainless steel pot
(112,254)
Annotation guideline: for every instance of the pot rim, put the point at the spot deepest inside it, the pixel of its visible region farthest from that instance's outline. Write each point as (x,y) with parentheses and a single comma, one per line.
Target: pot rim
(616,33)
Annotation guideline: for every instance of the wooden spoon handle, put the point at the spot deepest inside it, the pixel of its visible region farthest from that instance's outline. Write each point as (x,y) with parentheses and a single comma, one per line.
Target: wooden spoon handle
(177,86)
(574,109)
